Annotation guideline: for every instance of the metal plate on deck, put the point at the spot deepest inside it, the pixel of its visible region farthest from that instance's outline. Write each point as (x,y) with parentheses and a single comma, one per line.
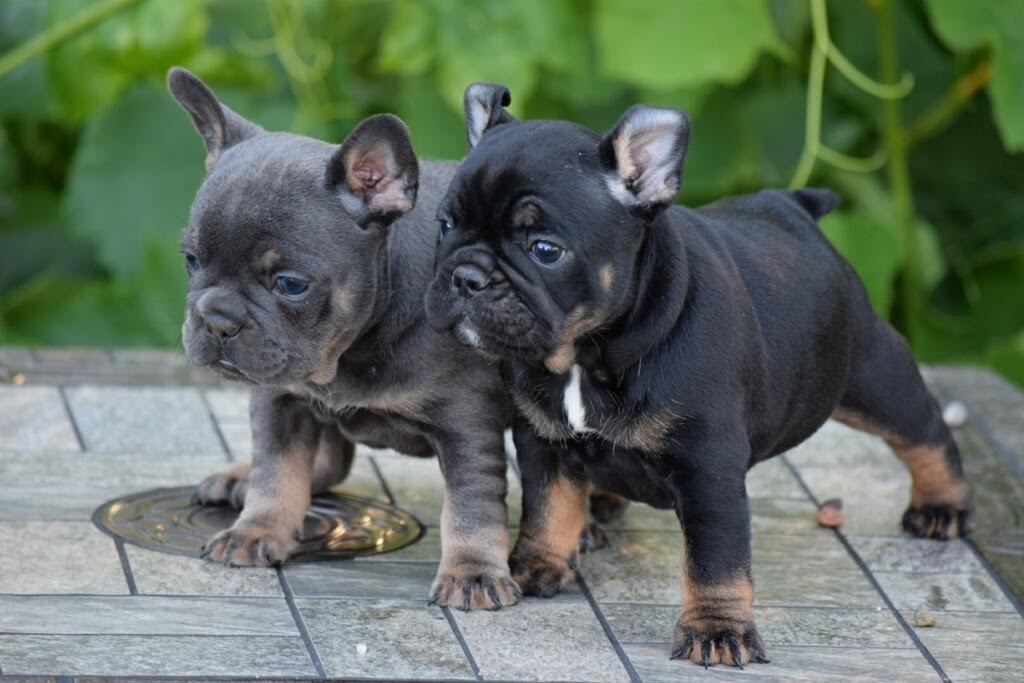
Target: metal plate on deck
(337,526)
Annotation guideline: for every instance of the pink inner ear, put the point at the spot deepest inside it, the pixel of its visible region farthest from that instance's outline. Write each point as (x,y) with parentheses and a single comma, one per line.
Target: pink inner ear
(372,174)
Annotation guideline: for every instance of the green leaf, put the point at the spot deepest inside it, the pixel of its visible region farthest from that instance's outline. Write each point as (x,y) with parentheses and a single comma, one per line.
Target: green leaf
(744,139)
(873,248)
(146,310)
(141,41)
(968,187)
(994,316)
(133,178)
(996,24)
(503,42)
(853,27)
(437,131)
(409,41)
(24,90)
(682,43)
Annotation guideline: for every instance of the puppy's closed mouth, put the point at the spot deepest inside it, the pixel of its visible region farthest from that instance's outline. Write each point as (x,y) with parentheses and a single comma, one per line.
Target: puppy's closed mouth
(228,369)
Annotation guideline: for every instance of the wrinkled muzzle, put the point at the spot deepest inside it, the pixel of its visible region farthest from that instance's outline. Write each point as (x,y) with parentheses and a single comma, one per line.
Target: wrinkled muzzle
(218,333)
(483,305)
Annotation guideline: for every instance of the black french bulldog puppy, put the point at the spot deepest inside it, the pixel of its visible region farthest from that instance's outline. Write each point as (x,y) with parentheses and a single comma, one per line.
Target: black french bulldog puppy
(659,351)
(307,266)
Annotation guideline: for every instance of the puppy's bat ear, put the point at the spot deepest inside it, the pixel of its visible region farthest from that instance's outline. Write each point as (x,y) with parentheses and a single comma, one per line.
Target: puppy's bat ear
(644,155)
(375,171)
(220,127)
(485,108)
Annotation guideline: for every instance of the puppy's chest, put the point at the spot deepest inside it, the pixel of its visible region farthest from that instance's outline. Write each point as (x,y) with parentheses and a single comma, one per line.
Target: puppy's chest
(577,406)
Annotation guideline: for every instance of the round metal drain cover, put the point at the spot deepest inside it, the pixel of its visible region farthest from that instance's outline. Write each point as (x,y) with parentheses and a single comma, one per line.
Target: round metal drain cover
(336,527)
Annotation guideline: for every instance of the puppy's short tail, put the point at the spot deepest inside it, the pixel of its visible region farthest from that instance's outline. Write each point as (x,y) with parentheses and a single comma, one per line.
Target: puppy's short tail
(817,201)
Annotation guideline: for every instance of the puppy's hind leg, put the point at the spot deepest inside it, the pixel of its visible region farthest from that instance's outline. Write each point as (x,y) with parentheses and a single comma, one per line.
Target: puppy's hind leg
(886,396)
(333,461)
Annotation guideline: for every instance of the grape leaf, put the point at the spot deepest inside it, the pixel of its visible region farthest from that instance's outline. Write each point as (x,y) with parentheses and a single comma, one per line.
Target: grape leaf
(133,178)
(684,42)
(998,24)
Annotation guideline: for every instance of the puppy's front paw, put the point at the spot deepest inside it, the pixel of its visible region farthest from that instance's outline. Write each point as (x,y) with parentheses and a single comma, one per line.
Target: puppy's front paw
(940,522)
(539,572)
(251,546)
(224,488)
(710,641)
(470,587)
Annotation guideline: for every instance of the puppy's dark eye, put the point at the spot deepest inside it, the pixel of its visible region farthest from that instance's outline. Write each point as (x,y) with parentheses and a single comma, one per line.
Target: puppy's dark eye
(191,262)
(446,227)
(291,286)
(546,253)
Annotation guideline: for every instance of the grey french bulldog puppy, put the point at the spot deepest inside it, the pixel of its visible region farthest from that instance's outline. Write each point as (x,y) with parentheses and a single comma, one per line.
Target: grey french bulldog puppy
(307,266)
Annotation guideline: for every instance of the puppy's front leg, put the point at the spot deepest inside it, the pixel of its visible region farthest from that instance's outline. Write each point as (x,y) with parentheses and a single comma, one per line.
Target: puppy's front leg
(717,624)
(554,515)
(285,441)
(474,533)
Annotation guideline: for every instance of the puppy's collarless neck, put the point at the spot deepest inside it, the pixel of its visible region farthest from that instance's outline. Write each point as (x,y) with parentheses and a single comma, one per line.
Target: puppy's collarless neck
(660,292)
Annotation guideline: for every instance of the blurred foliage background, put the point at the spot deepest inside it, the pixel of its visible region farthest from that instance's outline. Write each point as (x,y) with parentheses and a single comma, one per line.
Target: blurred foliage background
(913,110)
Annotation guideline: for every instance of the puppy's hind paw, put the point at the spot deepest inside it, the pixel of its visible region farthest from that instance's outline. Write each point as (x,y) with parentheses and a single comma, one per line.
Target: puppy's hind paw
(224,488)
(718,641)
(941,522)
(592,538)
(607,507)
(475,590)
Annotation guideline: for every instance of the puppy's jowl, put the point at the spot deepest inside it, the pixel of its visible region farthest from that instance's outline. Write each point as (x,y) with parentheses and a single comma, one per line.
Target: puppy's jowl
(659,352)
(306,281)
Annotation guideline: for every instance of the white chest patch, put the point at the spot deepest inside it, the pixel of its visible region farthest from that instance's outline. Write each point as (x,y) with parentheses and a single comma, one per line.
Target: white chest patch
(572,402)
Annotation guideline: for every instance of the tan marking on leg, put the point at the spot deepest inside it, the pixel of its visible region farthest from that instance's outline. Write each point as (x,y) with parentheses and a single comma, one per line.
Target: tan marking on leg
(473,573)
(711,609)
(287,498)
(565,517)
(933,482)
(607,274)
(542,559)
(270,526)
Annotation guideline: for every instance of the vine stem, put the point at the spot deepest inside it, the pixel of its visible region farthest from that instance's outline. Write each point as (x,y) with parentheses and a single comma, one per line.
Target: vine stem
(942,112)
(823,52)
(812,128)
(899,175)
(883,91)
(60,33)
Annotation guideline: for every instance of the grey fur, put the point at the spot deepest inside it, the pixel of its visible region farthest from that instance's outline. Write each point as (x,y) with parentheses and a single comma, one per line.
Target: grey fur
(388,380)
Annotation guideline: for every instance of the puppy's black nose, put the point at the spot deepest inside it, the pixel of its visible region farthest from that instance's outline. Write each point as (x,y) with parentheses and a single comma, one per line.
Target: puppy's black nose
(469,279)
(220,325)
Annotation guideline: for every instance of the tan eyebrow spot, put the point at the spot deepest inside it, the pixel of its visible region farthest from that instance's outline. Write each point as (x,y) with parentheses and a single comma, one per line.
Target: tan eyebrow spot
(270,258)
(526,215)
(607,274)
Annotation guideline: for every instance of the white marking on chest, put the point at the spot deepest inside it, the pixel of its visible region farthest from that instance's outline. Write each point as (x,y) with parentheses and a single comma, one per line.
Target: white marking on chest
(572,402)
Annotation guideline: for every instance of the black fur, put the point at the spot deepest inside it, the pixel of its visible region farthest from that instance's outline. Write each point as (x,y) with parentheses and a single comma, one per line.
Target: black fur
(712,338)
